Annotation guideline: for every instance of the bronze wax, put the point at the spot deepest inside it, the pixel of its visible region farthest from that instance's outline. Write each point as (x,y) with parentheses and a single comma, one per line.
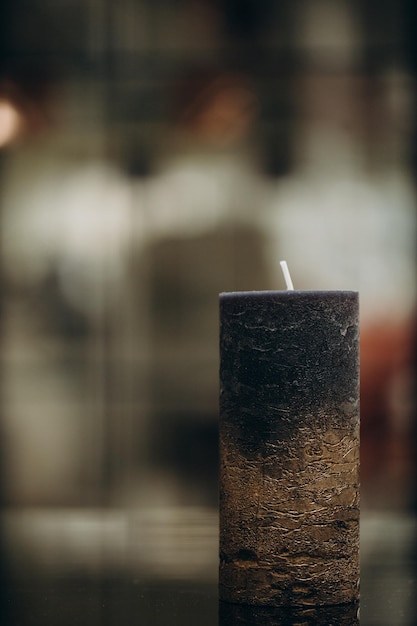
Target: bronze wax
(289,448)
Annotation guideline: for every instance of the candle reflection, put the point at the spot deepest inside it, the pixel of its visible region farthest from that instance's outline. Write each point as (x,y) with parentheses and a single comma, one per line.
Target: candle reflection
(244,615)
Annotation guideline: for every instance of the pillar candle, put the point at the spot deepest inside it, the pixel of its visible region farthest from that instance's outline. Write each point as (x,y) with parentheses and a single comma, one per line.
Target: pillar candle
(289,448)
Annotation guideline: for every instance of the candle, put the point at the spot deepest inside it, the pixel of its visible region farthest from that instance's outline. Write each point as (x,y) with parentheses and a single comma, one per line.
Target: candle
(289,448)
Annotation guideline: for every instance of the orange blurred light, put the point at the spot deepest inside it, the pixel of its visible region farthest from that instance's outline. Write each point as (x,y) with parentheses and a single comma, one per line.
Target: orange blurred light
(10,122)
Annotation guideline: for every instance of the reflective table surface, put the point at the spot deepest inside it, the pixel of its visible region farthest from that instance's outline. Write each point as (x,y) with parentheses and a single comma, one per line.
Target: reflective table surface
(158,567)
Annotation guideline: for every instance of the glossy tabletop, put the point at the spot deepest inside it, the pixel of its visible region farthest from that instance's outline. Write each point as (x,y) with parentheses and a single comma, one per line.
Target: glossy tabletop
(158,567)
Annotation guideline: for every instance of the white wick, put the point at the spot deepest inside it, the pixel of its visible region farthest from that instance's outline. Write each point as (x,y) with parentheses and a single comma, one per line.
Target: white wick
(287,276)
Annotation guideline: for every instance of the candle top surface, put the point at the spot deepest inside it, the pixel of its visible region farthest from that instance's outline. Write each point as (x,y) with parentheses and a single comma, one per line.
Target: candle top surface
(290,293)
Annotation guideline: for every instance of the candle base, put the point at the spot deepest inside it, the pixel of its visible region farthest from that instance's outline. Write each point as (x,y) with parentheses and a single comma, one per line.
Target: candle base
(272,587)
(241,615)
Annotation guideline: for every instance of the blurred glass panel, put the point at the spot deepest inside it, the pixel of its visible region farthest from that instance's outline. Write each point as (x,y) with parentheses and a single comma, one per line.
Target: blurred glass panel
(167,152)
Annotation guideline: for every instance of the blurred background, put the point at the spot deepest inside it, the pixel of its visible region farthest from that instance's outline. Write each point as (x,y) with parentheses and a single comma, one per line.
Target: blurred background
(152,155)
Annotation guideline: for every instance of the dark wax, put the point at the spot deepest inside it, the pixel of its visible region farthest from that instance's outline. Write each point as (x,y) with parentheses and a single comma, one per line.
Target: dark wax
(289,447)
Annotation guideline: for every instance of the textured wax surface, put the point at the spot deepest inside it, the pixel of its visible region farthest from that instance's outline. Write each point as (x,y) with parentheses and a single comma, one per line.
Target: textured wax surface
(289,447)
